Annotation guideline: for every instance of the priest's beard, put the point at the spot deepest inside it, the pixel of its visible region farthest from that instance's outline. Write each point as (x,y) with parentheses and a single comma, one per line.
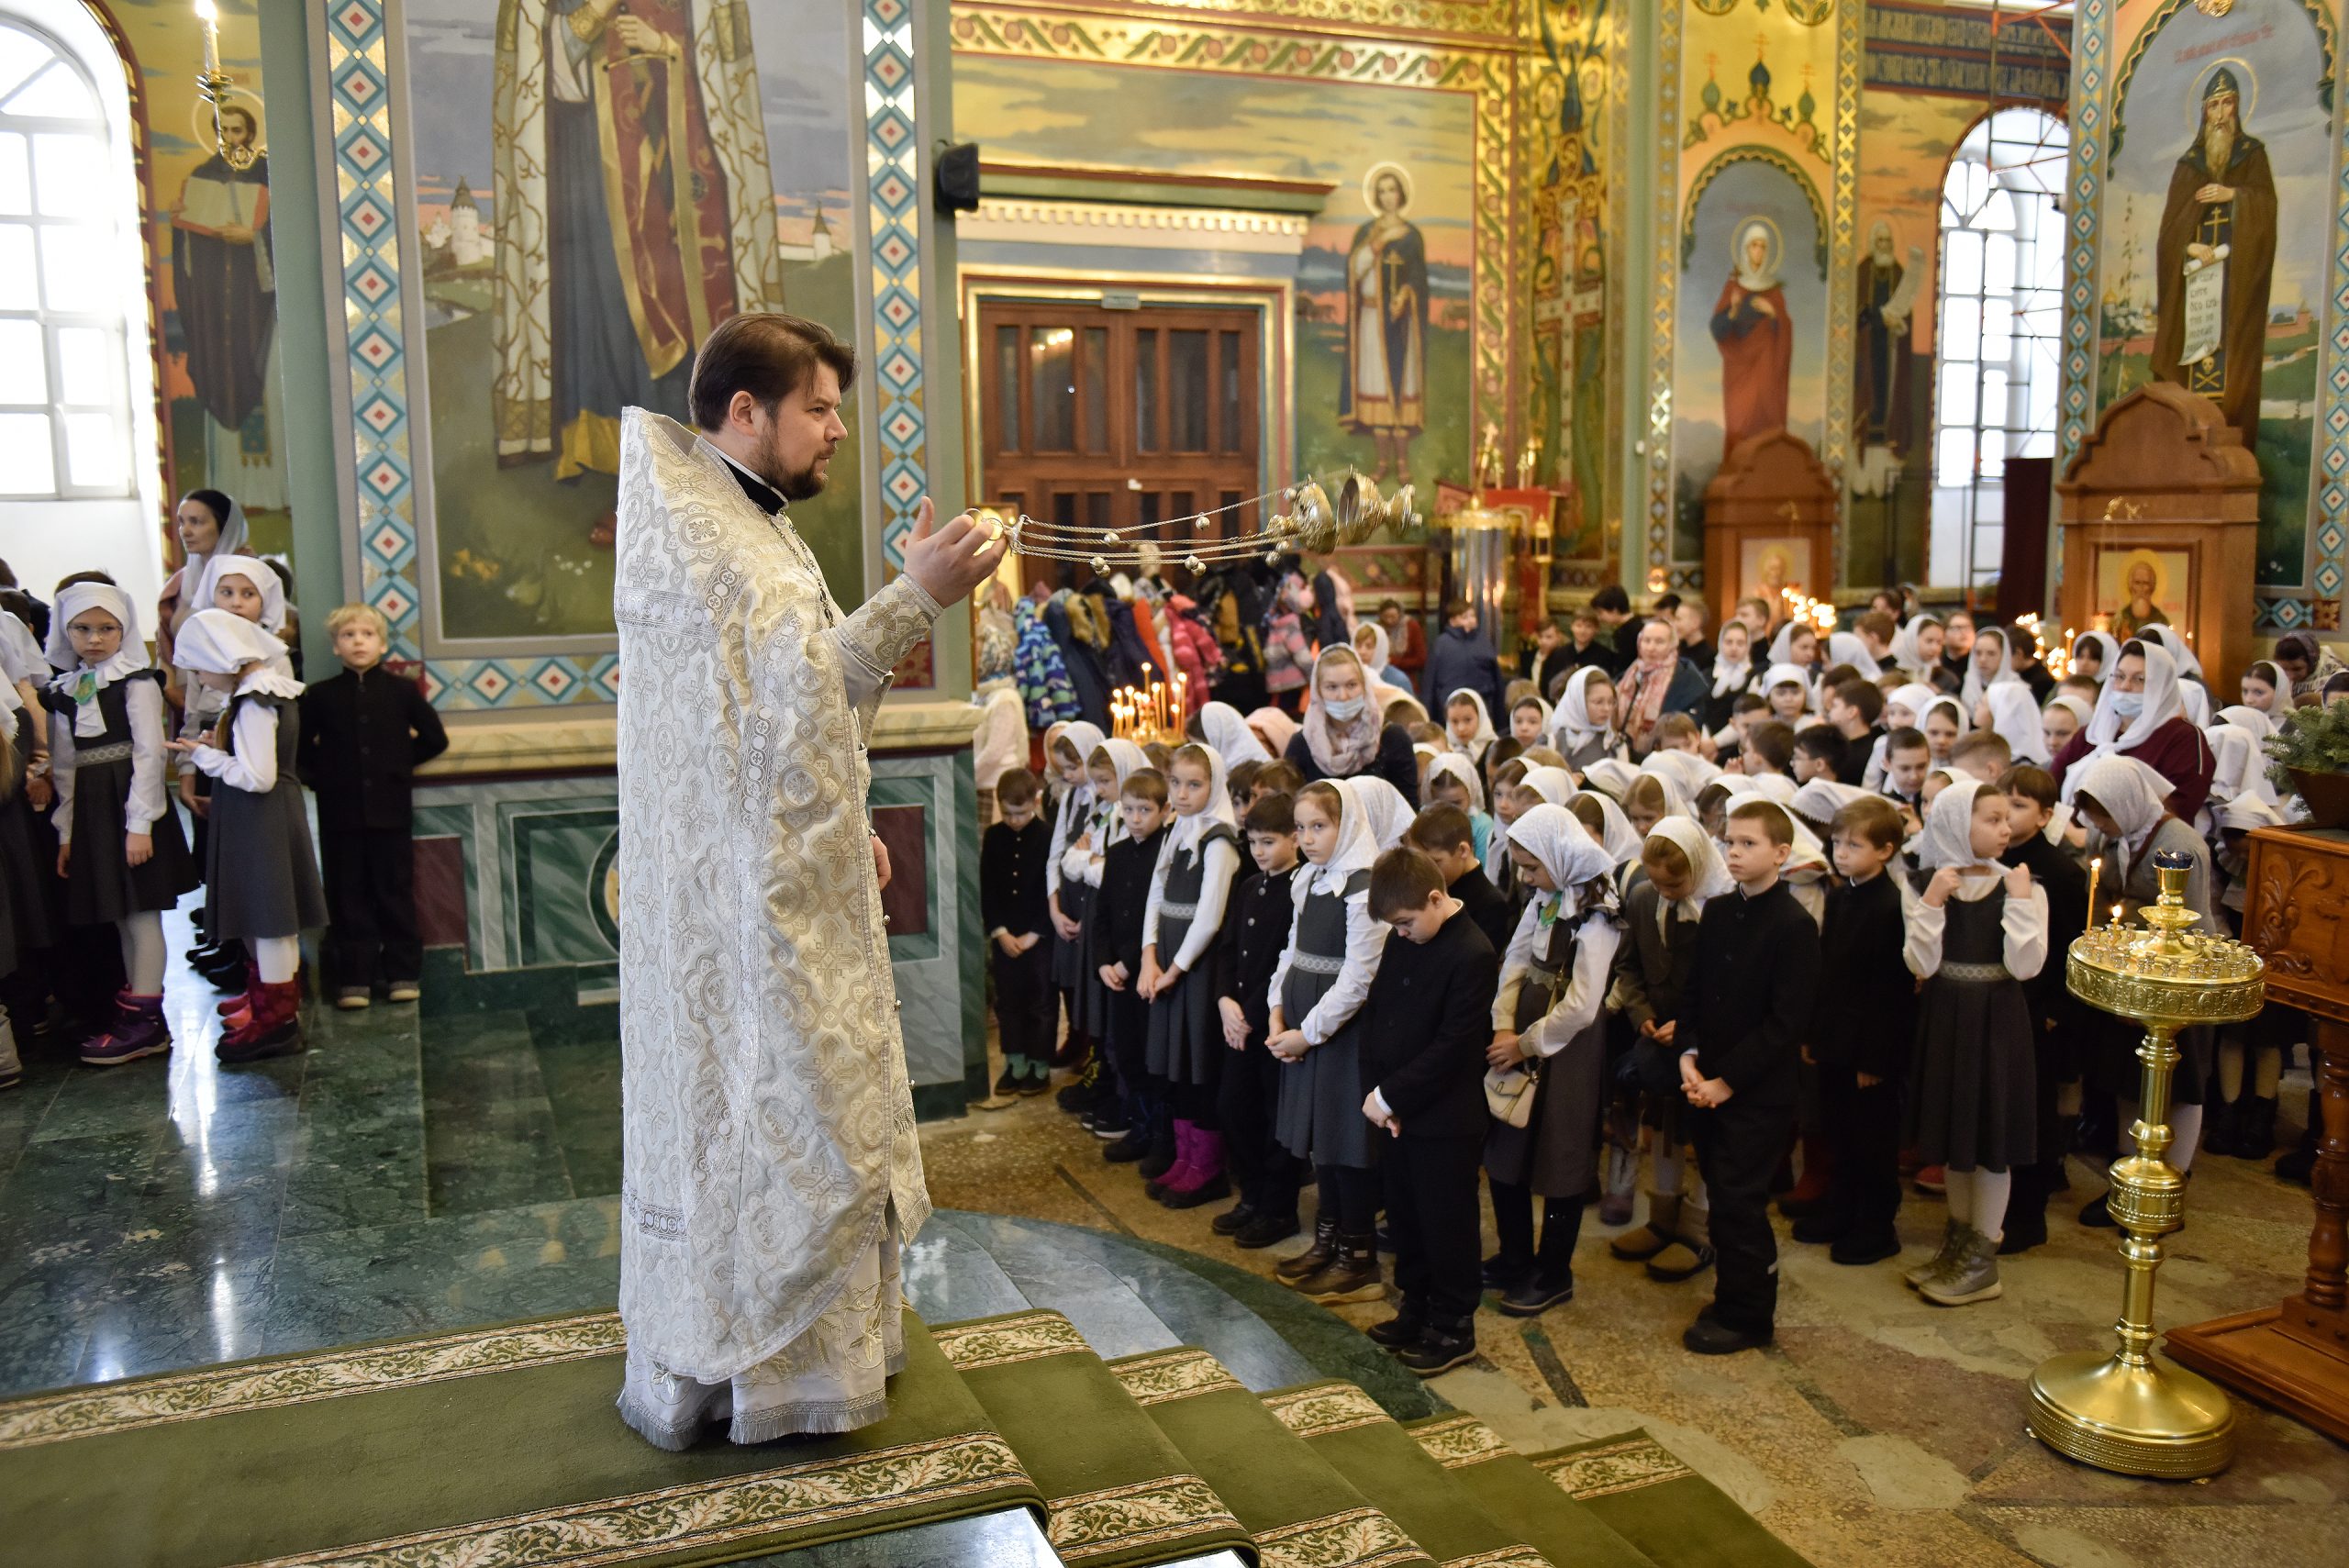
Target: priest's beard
(791,484)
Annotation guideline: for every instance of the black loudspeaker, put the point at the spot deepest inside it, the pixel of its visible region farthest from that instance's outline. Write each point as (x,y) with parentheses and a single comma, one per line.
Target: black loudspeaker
(954,177)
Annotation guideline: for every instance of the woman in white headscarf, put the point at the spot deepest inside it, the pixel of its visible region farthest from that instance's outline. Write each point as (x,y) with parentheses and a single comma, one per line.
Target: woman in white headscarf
(2134,807)
(2266,689)
(2011,710)
(1550,1011)
(2095,655)
(1345,734)
(210,525)
(1977,930)
(1229,734)
(120,849)
(2141,714)
(1581,727)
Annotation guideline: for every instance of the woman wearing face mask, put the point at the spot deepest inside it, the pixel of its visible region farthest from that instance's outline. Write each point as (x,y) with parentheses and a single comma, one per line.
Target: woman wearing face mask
(2141,714)
(1343,735)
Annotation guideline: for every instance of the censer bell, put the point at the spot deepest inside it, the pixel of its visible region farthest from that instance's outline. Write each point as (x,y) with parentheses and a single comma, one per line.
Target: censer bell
(1360,511)
(1317,525)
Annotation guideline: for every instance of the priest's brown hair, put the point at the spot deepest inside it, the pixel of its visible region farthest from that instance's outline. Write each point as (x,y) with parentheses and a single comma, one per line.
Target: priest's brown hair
(767,354)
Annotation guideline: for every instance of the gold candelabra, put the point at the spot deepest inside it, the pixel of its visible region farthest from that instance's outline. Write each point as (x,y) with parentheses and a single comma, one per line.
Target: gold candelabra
(2126,1412)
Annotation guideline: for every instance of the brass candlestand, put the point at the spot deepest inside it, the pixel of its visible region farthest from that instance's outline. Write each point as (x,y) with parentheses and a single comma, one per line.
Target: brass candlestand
(2126,1412)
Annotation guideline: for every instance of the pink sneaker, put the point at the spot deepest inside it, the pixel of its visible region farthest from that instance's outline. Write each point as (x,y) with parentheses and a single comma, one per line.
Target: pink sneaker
(137,1030)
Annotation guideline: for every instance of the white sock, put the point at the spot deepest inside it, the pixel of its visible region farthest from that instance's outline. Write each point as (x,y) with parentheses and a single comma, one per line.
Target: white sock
(1992,1191)
(142,951)
(277,957)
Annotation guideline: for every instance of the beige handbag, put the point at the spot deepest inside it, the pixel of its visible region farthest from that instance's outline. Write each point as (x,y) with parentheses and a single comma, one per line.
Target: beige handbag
(1509,1094)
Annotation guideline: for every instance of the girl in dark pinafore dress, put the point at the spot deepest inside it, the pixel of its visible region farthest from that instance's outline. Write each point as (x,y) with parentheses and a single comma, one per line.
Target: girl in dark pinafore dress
(1190,891)
(263,879)
(1977,931)
(1316,990)
(1065,752)
(1107,764)
(121,850)
(1550,1009)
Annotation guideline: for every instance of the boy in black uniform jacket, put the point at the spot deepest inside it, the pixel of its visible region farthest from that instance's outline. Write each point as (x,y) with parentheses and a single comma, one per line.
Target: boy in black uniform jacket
(1866,1022)
(1248,951)
(1742,1027)
(1445,836)
(364,733)
(2031,798)
(1120,908)
(1014,909)
(1430,1017)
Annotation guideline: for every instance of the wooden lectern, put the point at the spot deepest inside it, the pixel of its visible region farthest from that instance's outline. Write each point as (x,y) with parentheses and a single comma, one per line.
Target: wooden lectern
(2296,1356)
(1769,524)
(2160,512)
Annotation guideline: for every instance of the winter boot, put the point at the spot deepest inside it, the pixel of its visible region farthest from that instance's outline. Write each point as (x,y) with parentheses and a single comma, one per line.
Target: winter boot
(1089,1090)
(1267,1229)
(1206,1181)
(1401,1331)
(1186,1136)
(2256,1133)
(1661,1229)
(1952,1241)
(1972,1275)
(1444,1344)
(1812,1191)
(1074,1051)
(1233,1220)
(136,1030)
(1314,1258)
(1351,1274)
(274,1029)
(1162,1149)
(1131,1145)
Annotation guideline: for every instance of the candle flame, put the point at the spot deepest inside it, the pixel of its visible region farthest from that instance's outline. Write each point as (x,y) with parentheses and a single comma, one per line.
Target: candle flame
(206,12)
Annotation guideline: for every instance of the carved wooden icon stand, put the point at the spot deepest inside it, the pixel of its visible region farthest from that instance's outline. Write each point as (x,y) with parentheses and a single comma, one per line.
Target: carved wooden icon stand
(2165,477)
(2295,1357)
(1769,522)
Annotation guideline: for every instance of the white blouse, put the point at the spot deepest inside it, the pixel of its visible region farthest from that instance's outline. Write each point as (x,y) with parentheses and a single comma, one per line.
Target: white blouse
(1586,992)
(1365,941)
(2023,923)
(1222,864)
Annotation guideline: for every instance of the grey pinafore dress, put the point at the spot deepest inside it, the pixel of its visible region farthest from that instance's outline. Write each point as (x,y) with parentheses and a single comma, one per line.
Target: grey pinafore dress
(101,885)
(1186,1027)
(1069,973)
(1320,1117)
(1556,1151)
(1972,1101)
(263,876)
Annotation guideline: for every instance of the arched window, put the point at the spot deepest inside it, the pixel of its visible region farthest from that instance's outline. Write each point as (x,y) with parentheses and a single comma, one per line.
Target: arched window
(1998,346)
(65,426)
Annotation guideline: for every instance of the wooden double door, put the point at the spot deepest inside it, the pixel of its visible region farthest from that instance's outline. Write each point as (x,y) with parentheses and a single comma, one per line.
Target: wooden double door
(1093,418)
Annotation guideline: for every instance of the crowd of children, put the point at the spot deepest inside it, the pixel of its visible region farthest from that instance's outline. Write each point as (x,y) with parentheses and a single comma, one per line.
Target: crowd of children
(98,843)
(1801,943)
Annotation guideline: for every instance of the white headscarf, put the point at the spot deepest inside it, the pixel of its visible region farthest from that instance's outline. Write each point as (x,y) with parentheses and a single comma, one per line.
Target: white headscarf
(2248,811)
(1845,648)
(1452,765)
(253,570)
(1127,758)
(1913,697)
(20,655)
(83,682)
(1709,875)
(1274,728)
(2014,714)
(1389,814)
(2248,719)
(1342,748)
(1617,836)
(1808,856)
(1782,646)
(1187,832)
(1748,279)
(1485,735)
(2194,698)
(1554,786)
(1733,677)
(220,642)
(1229,735)
(2132,795)
(1773,786)
(1784,675)
(1570,722)
(2108,732)
(1971,691)
(1357,847)
(2272,672)
(1948,838)
(1687,769)
(1609,776)
(2107,649)
(2078,707)
(230,542)
(1964,718)
(2189,668)
(2237,756)
(1567,851)
(1675,799)
(1821,799)
(1906,656)
(1376,660)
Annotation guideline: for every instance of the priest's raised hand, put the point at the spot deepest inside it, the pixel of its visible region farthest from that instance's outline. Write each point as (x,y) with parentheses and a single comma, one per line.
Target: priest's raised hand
(949,563)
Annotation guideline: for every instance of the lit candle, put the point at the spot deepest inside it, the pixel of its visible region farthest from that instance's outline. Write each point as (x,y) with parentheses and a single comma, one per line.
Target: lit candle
(2116,917)
(209,15)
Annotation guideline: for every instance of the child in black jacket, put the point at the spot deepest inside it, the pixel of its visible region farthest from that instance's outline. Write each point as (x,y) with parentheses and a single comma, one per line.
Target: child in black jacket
(1430,1015)
(1866,1021)
(1445,835)
(364,733)
(1014,906)
(1255,933)
(1117,921)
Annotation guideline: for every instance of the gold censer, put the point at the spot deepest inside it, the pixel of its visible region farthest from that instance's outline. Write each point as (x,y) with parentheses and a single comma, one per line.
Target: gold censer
(2126,1412)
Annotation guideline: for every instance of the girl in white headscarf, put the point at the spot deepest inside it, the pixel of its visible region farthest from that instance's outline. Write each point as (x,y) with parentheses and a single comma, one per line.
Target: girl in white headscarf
(1229,733)
(1684,871)
(120,849)
(1452,782)
(2095,655)
(1316,993)
(1977,930)
(262,885)
(1468,724)
(2135,809)
(1819,801)
(1917,647)
(1550,1011)
(1787,688)
(1687,769)
(1107,767)
(1581,727)
(1992,662)
(1845,648)
(1943,723)
(1734,674)
(2189,668)
(1611,775)
(1902,708)
(1070,899)
(2011,710)
(1190,887)
(1601,817)
(210,525)
(1653,798)
(2065,715)
(2265,689)
(1371,648)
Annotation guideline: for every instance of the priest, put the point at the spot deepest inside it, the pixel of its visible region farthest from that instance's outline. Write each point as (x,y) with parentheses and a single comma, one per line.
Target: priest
(770,1173)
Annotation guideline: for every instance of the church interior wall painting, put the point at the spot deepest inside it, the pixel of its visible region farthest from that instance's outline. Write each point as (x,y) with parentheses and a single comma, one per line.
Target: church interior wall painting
(2215,255)
(593,189)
